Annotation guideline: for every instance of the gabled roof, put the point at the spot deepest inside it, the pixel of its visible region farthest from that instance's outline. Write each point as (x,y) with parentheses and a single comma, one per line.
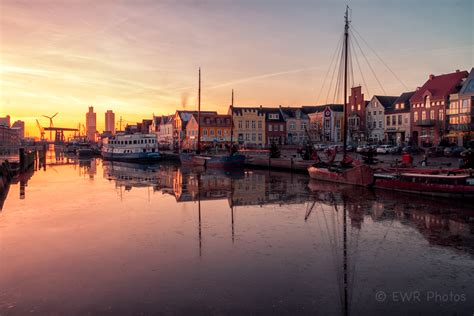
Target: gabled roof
(404,98)
(239,109)
(268,111)
(186,115)
(385,101)
(468,86)
(439,87)
(293,113)
(214,120)
(319,108)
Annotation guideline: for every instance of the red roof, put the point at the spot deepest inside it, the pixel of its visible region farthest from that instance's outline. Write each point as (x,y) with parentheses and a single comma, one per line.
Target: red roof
(439,87)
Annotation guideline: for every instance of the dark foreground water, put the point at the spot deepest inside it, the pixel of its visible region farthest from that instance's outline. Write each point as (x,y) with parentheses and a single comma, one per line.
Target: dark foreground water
(93,237)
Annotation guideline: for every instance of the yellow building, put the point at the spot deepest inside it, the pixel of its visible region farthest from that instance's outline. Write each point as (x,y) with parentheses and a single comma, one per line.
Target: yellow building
(249,126)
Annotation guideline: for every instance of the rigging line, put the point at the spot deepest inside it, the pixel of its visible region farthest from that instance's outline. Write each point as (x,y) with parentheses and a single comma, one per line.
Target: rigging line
(380,58)
(351,69)
(339,78)
(333,59)
(367,61)
(332,76)
(360,70)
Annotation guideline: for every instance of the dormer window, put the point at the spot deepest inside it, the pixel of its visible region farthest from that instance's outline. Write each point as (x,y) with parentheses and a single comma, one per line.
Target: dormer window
(427,101)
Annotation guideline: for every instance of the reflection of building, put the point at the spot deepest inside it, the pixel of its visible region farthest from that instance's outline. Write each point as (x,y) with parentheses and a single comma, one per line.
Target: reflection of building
(91,124)
(110,122)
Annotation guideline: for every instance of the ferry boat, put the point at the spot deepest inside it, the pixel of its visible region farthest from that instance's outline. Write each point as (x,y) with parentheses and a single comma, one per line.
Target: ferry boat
(131,147)
(443,185)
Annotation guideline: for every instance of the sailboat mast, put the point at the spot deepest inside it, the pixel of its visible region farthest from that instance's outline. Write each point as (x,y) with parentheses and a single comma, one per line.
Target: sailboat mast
(198,150)
(232,120)
(346,42)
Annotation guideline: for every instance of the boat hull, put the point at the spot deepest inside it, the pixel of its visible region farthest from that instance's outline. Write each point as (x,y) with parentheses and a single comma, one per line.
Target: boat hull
(428,189)
(233,161)
(359,175)
(138,156)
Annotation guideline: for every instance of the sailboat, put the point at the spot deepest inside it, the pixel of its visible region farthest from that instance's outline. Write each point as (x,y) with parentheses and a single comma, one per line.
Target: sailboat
(231,160)
(349,171)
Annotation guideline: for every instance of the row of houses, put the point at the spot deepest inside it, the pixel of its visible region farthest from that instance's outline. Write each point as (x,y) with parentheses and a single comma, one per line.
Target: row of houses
(441,109)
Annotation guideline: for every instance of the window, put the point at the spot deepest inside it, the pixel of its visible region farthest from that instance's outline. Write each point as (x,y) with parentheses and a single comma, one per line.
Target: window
(380,124)
(247,137)
(380,112)
(273,116)
(303,125)
(259,137)
(358,107)
(441,115)
(399,119)
(432,115)
(292,126)
(254,137)
(253,124)
(204,132)
(394,120)
(281,128)
(219,132)
(240,124)
(135,141)
(388,120)
(226,132)
(375,112)
(247,124)
(259,124)
(423,115)
(211,132)
(427,101)
(415,117)
(338,123)
(352,108)
(406,119)
(269,127)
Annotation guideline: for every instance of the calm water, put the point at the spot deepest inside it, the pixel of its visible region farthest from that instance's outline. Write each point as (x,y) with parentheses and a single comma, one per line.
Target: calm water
(94,237)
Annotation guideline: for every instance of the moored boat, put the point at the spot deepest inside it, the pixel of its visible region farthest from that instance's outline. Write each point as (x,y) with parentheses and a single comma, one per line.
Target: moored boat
(443,185)
(132,147)
(360,175)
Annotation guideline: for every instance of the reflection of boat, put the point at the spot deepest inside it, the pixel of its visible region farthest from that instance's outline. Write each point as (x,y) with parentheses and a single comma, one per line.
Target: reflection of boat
(134,147)
(138,175)
(222,161)
(349,172)
(445,185)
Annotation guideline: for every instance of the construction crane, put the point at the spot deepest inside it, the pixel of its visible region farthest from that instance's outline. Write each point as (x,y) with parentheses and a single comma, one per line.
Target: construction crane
(50,124)
(41,129)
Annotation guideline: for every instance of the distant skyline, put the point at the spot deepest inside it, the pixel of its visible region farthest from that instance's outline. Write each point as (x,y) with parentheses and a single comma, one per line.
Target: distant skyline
(142,57)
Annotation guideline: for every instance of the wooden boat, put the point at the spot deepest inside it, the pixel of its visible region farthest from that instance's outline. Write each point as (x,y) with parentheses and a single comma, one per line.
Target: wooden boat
(349,172)
(443,185)
(360,175)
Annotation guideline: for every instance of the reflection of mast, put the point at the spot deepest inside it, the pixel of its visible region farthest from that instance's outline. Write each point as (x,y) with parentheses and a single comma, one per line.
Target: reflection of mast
(344,252)
(199,213)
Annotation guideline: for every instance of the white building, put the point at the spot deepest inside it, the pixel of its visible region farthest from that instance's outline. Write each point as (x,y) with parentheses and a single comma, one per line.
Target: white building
(397,120)
(91,124)
(110,121)
(375,117)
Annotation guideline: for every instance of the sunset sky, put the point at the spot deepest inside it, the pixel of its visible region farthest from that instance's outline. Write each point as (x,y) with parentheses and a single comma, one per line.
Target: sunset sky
(142,57)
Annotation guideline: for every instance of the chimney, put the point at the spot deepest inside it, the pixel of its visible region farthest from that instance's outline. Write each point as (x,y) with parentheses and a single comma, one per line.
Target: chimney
(418,88)
(260,106)
(457,70)
(432,76)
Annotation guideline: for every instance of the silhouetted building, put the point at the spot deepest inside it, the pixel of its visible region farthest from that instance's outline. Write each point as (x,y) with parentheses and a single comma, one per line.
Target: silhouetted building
(110,121)
(91,124)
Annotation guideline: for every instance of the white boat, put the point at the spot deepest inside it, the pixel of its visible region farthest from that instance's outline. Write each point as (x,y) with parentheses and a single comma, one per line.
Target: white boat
(131,147)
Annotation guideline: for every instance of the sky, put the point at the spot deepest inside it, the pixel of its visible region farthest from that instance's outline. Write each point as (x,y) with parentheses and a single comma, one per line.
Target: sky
(140,58)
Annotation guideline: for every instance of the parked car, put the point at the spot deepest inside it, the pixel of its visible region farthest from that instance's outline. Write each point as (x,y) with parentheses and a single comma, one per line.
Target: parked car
(436,151)
(362,148)
(383,149)
(350,148)
(453,151)
(394,150)
(411,150)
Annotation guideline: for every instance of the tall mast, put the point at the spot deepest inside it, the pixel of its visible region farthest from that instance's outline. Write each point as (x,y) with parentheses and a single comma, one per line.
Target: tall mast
(346,42)
(232,120)
(198,150)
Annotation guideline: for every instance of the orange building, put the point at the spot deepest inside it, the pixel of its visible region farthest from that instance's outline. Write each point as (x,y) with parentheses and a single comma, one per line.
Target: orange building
(215,131)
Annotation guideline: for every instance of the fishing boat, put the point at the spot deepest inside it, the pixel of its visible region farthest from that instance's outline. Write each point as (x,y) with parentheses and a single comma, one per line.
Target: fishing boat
(349,171)
(131,147)
(442,185)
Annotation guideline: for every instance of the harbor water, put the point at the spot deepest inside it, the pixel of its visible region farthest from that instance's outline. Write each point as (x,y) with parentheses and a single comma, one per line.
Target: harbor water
(112,238)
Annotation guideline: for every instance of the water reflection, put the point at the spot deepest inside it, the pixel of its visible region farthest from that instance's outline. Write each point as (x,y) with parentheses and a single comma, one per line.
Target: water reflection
(131,238)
